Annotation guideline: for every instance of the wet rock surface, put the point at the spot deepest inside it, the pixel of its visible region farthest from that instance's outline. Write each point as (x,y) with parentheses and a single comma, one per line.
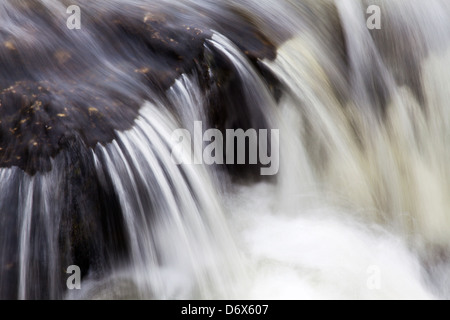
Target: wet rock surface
(58,84)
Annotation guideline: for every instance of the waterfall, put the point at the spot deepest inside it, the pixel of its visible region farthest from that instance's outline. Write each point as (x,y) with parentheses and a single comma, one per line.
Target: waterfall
(89,177)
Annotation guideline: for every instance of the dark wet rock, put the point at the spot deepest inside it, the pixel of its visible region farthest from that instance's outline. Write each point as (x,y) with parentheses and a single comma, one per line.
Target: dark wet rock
(36,118)
(228,106)
(88,83)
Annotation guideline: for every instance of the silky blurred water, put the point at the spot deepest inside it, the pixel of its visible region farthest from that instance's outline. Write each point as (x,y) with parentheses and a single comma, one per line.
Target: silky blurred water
(359,209)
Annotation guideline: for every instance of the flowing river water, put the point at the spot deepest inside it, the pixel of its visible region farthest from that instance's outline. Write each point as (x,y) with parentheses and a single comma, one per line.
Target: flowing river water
(360,206)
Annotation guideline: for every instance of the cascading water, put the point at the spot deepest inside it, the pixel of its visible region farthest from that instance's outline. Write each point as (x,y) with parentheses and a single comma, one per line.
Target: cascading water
(88,175)
(184,241)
